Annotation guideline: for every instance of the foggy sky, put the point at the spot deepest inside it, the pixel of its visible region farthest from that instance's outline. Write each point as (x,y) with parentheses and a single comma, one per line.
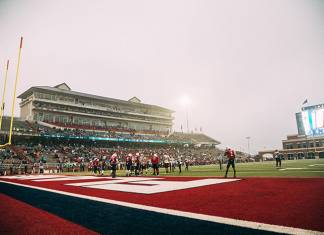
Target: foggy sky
(247,66)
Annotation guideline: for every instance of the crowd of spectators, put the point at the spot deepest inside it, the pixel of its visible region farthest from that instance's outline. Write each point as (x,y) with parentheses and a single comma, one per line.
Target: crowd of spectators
(70,154)
(70,157)
(91,133)
(105,128)
(24,127)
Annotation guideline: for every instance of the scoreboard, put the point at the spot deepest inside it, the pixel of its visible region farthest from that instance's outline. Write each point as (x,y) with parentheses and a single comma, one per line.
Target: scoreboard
(313,121)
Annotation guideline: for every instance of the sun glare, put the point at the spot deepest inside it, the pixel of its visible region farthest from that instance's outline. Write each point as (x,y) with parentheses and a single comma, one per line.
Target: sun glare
(184,100)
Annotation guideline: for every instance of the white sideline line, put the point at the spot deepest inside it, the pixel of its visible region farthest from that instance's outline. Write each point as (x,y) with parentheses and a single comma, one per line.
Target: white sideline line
(294,168)
(316,165)
(210,218)
(32,177)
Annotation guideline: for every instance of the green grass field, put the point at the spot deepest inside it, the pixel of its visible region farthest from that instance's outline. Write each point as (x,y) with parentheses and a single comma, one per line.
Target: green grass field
(291,168)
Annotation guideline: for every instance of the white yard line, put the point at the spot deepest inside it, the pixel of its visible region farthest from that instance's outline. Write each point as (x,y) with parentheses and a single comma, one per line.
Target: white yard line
(294,168)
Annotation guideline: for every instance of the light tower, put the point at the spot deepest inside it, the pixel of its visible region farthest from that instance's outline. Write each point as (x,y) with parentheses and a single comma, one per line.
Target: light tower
(185,101)
(248,143)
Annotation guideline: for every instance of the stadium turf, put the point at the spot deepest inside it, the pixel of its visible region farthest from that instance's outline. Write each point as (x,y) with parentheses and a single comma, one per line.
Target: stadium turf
(104,218)
(289,168)
(18,218)
(287,199)
(255,197)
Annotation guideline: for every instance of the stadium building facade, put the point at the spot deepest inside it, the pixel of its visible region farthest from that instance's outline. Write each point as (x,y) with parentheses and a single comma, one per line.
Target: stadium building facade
(309,142)
(303,146)
(61,106)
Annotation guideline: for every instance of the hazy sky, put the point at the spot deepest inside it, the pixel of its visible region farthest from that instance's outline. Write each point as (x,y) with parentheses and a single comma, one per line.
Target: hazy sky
(247,66)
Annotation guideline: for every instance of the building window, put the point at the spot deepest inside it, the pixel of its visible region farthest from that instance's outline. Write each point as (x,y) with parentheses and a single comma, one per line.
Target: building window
(65,119)
(300,155)
(46,117)
(310,155)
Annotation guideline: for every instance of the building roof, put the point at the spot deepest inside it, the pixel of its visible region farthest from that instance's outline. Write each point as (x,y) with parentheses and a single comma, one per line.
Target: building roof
(63,86)
(65,89)
(135,100)
(313,106)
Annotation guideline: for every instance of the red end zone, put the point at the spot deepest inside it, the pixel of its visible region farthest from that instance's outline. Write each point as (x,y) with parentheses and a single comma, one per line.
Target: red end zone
(25,219)
(288,202)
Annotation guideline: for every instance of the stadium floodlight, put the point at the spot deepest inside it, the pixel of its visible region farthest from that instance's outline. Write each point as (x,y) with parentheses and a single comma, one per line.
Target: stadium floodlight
(185,101)
(14,95)
(248,142)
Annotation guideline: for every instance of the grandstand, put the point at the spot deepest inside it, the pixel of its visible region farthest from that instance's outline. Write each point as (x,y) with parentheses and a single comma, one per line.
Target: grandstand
(195,138)
(60,106)
(70,129)
(39,129)
(20,126)
(60,113)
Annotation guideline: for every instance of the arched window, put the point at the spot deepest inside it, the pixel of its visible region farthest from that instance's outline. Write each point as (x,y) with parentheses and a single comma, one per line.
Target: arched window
(300,155)
(310,155)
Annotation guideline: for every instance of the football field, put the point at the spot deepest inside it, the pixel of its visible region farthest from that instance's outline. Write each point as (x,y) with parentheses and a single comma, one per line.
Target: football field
(289,168)
(262,199)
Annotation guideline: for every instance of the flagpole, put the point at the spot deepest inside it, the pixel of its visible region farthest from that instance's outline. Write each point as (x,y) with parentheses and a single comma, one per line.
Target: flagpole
(15,89)
(3,94)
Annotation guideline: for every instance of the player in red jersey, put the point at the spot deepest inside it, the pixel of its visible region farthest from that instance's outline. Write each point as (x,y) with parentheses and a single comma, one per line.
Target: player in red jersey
(137,164)
(113,163)
(155,164)
(95,163)
(128,161)
(231,160)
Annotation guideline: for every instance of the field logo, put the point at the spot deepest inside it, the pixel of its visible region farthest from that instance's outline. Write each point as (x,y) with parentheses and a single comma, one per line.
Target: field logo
(124,184)
(148,185)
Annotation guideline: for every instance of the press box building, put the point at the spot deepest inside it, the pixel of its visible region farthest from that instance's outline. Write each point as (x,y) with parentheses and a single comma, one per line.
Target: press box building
(61,105)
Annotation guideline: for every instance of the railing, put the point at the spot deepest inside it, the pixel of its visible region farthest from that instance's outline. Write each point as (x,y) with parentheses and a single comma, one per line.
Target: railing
(102,108)
(51,168)
(112,139)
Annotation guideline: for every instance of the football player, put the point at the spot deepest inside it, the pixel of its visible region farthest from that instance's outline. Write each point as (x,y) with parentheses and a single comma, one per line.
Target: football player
(231,160)
(155,164)
(113,164)
(128,164)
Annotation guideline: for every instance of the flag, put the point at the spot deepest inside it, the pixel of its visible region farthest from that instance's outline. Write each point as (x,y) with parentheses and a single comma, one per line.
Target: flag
(305,102)
(181,128)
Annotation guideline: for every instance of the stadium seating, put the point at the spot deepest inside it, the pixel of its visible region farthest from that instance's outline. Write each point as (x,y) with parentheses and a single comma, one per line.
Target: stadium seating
(24,127)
